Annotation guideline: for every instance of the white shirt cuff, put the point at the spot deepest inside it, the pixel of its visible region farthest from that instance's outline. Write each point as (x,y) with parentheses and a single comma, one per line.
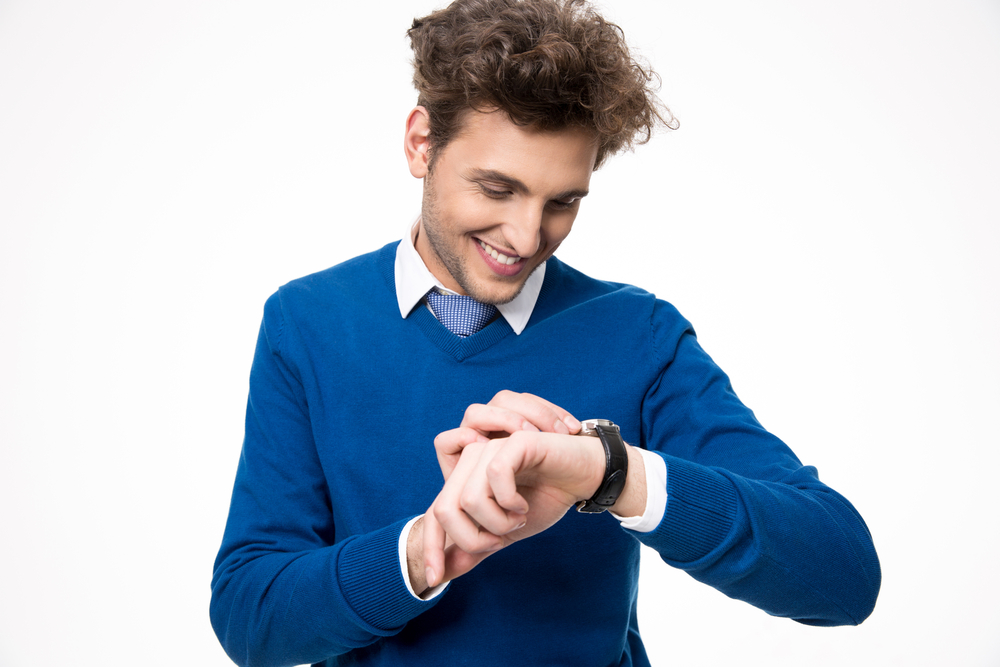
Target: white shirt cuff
(656,495)
(430,593)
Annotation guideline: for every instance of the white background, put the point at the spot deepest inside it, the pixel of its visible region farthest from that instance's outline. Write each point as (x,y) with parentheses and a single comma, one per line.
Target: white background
(828,216)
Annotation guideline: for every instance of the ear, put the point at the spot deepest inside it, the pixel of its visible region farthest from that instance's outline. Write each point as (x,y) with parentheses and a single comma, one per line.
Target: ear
(416,141)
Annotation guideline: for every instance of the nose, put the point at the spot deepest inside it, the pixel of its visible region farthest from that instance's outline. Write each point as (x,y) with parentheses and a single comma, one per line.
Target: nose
(524,230)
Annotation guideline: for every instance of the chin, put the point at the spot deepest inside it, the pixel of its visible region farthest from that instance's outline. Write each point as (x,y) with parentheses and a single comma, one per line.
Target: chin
(496,294)
(494,297)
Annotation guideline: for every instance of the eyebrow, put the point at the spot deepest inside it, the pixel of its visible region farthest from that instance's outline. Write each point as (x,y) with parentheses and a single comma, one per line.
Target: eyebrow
(519,186)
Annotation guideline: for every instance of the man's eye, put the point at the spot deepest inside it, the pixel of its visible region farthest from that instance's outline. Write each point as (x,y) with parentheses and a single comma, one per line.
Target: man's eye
(492,192)
(564,203)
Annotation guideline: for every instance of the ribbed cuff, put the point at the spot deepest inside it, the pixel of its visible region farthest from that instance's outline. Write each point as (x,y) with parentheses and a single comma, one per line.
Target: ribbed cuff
(371,581)
(701,508)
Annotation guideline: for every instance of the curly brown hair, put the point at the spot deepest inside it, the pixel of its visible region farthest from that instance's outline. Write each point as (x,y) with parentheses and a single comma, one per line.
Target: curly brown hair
(549,64)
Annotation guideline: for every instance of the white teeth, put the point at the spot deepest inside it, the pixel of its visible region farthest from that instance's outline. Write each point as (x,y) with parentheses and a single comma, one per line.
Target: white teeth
(500,257)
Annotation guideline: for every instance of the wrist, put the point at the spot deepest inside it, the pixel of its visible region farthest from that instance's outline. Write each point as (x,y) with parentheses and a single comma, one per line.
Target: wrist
(596,466)
(632,501)
(415,566)
(615,469)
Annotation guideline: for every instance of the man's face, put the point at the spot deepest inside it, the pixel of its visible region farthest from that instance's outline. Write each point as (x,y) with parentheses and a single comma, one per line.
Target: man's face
(499,201)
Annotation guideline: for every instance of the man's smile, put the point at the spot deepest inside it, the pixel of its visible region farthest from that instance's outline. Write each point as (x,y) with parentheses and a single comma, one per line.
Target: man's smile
(499,262)
(510,258)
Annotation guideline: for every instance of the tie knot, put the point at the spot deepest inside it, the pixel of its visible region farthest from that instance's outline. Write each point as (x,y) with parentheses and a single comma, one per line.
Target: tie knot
(462,315)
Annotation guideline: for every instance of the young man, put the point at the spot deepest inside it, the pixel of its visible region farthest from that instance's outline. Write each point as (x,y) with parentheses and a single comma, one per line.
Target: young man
(412,448)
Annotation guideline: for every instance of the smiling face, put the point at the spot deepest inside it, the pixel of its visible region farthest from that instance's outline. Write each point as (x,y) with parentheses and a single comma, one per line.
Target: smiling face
(498,202)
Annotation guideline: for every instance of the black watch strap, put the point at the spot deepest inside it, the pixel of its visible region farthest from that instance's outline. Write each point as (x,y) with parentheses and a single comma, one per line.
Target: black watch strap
(615,467)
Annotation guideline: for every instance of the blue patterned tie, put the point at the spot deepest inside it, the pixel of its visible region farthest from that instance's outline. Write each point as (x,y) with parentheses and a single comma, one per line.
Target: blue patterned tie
(462,315)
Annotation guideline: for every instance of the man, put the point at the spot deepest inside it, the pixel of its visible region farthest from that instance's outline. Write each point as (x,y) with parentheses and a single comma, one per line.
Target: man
(413,448)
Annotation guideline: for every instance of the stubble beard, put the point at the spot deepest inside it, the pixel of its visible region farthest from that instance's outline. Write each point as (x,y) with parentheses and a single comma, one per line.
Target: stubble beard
(452,259)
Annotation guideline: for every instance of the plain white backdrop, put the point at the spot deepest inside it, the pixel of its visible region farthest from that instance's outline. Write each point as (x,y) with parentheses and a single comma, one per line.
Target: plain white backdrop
(828,216)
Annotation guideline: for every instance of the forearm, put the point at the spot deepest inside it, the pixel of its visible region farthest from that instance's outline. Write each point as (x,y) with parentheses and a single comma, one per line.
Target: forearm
(743,514)
(280,607)
(290,586)
(792,547)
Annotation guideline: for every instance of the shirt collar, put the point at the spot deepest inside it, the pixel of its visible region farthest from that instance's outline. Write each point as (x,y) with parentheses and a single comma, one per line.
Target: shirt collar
(414,280)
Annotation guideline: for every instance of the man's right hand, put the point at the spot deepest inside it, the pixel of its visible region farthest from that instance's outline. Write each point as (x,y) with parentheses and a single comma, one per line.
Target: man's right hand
(463,452)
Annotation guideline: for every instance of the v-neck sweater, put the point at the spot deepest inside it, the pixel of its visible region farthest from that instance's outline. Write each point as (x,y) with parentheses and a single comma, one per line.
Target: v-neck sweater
(346,398)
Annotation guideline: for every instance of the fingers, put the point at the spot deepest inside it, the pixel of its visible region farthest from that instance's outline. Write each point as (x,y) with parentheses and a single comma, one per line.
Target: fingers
(487,419)
(501,477)
(433,549)
(449,446)
(448,510)
(523,412)
(547,416)
(479,502)
(507,413)
(482,508)
(443,560)
(458,562)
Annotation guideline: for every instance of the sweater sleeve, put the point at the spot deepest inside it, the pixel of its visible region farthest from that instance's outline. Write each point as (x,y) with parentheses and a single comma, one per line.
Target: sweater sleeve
(287,589)
(743,514)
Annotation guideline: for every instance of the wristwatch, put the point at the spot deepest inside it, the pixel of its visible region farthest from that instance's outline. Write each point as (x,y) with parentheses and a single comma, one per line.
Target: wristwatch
(615,466)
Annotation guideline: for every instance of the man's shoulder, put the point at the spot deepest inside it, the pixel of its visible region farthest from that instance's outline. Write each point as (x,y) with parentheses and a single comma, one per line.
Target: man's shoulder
(341,283)
(567,288)
(349,275)
(572,286)
(337,294)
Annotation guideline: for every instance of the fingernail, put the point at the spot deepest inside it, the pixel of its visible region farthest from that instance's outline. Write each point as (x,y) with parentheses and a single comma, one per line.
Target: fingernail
(560,427)
(572,423)
(517,527)
(528,426)
(429,576)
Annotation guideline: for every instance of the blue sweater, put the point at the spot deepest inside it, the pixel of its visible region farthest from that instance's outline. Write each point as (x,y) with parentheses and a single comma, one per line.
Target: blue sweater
(346,398)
